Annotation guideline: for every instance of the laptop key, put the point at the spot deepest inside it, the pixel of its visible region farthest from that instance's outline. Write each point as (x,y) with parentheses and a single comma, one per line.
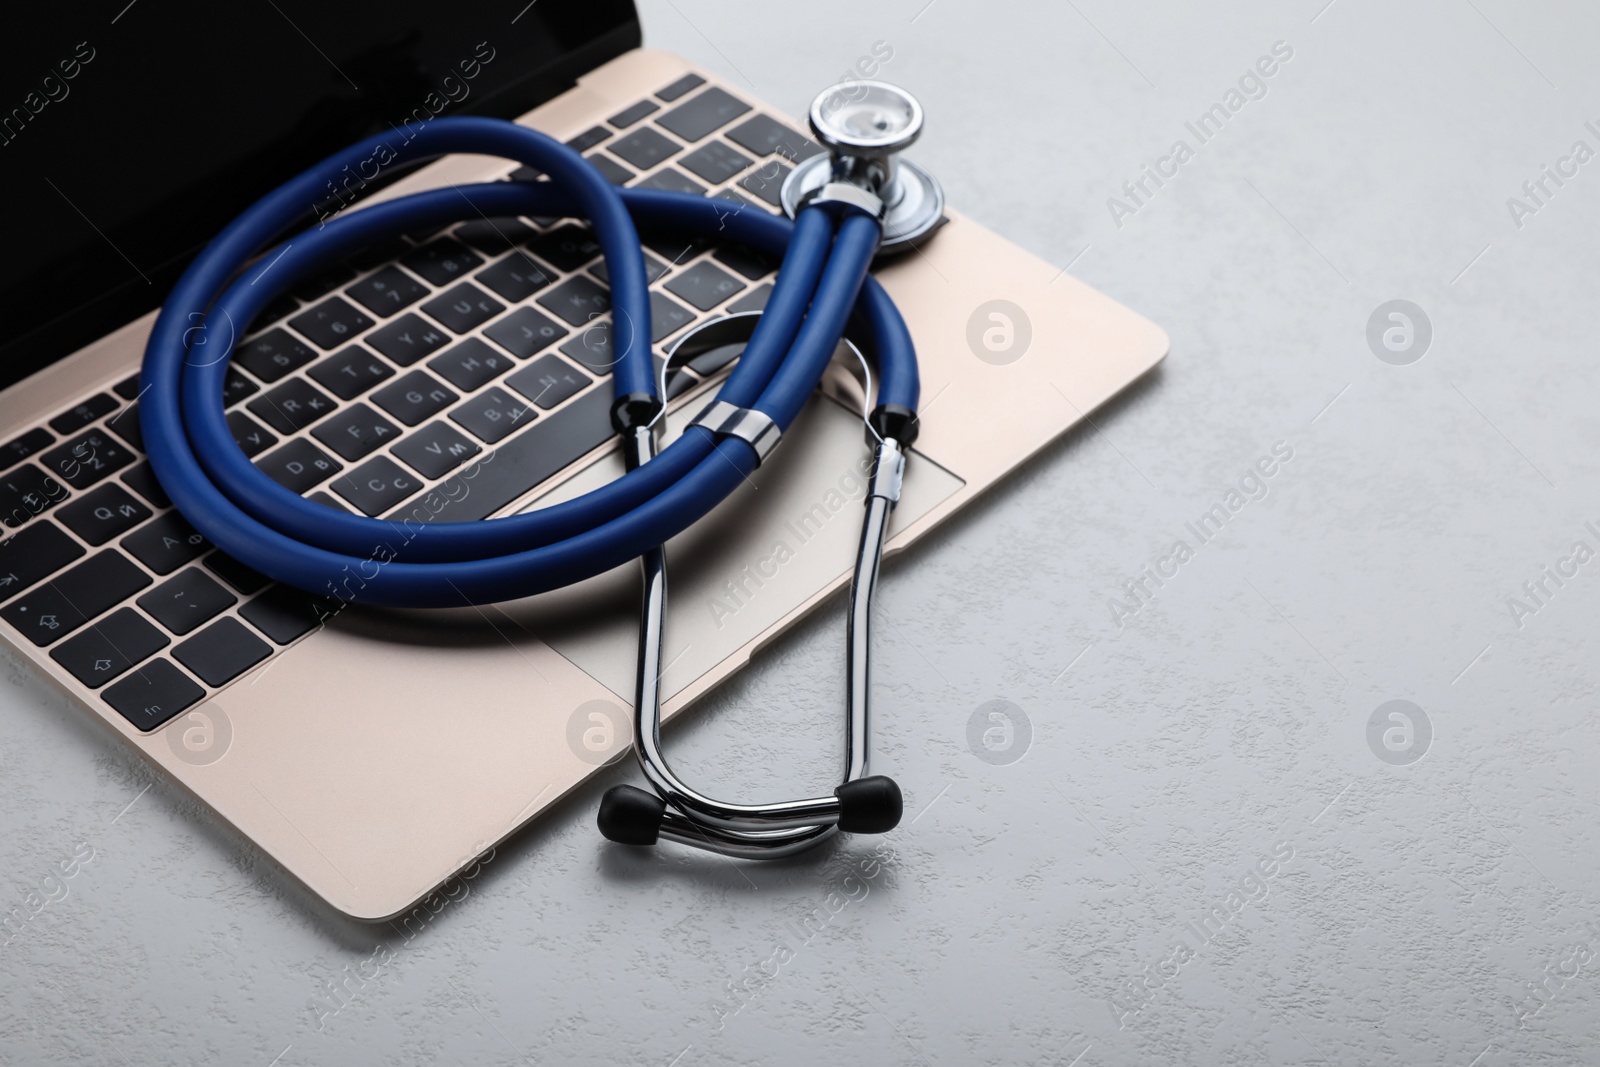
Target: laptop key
(680,382)
(463,307)
(387,291)
(73,597)
(653,269)
(588,138)
(708,363)
(644,147)
(407,339)
(667,317)
(755,300)
(548,380)
(746,260)
(515,277)
(26,492)
(715,162)
(235,387)
(610,169)
(709,111)
(377,255)
(153,694)
(350,373)
(521,462)
(34,553)
(686,84)
(331,323)
(470,364)
(284,613)
(525,331)
(109,647)
(494,236)
(186,600)
(166,543)
(299,465)
(292,406)
(492,415)
(412,240)
(83,414)
(281,305)
(252,437)
(125,424)
(128,388)
(102,514)
(628,116)
(322,284)
(765,136)
(221,652)
(568,247)
(86,459)
(592,349)
(414,397)
(676,248)
(20,448)
(740,202)
(273,354)
(577,300)
(377,485)
(767,182)
(442,262)
(356,431)
(236,574)
(673,181)
(142,480)
(705,285)
(435,450)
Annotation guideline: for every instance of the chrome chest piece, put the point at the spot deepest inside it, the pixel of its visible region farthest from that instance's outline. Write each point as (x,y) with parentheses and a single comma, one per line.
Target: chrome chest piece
(864,125)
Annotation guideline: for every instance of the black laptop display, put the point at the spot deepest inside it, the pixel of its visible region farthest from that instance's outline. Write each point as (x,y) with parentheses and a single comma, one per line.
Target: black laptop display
(128,137)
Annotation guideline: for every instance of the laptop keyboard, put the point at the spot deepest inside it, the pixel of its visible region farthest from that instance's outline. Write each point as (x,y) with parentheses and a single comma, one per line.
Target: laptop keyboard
(370,389)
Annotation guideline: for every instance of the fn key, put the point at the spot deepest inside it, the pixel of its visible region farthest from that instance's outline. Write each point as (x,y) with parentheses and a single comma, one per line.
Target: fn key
(153,694)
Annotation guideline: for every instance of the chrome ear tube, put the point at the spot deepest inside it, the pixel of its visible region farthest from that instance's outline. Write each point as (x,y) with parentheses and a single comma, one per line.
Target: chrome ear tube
(864,126)
(862,803)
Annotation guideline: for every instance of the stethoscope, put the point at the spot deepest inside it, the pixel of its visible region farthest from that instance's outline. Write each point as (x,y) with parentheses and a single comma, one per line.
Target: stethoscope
(847,207)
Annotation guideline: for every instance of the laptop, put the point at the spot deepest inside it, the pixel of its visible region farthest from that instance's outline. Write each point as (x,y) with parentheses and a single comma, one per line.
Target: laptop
(374,753)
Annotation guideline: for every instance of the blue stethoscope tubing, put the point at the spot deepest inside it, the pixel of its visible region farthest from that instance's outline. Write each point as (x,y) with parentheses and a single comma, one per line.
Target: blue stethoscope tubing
(822,280)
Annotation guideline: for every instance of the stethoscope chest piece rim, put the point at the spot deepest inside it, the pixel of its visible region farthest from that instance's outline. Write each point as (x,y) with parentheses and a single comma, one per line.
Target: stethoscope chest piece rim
(865,125)
(913,202)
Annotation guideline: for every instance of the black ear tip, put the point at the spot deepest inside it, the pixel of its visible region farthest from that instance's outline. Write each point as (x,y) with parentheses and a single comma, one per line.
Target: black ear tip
(630,816)
(870,805)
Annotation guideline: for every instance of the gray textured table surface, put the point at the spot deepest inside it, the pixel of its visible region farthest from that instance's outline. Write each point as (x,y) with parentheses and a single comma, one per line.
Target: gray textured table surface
(1207,851)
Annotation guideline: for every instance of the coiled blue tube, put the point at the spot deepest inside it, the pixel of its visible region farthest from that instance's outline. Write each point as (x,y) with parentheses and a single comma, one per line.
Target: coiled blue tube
(262,524)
